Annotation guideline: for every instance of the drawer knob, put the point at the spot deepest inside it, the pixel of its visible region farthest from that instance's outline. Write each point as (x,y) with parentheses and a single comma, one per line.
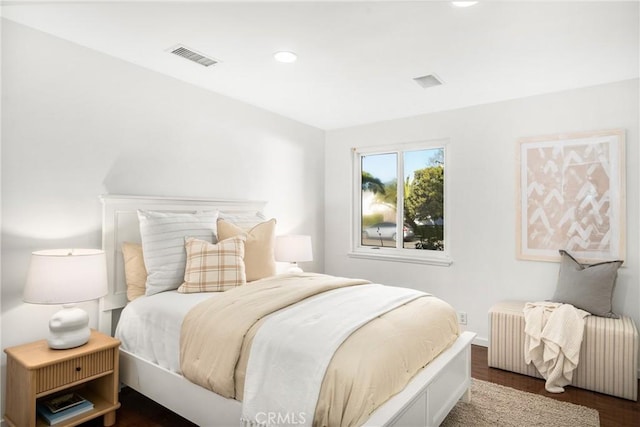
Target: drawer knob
(78,368)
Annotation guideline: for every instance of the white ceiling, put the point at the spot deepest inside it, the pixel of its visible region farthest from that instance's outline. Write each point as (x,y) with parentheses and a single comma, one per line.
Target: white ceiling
(357,59)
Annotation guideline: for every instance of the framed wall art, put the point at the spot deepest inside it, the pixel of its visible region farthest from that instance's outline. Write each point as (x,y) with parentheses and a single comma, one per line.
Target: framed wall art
(571,195)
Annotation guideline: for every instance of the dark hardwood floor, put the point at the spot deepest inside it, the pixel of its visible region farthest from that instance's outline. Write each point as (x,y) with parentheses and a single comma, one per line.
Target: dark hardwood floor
(614,412)
(138,411)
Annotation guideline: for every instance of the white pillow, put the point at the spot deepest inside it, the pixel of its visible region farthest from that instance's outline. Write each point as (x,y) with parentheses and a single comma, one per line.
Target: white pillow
(163,235)
(245,221)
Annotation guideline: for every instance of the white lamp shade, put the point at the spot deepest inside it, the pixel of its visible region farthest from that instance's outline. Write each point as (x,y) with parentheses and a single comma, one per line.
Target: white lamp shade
(293,248)
(63,276)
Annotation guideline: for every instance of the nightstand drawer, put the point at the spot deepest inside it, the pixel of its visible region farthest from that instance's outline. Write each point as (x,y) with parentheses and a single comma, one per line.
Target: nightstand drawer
(69,371)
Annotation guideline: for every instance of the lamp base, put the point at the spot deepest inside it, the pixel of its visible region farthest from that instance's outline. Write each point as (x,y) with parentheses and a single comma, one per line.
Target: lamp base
(68,328)
(294,269)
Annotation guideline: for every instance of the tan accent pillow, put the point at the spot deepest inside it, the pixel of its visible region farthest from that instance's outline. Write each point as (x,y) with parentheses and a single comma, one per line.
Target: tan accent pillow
(214,267)
(259,259)
(135,273)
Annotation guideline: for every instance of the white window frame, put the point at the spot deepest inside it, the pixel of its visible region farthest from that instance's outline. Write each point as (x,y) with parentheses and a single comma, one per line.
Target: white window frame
(399,254)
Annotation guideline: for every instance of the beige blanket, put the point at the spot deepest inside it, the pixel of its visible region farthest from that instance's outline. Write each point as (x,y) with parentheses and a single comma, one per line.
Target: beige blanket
(373,364)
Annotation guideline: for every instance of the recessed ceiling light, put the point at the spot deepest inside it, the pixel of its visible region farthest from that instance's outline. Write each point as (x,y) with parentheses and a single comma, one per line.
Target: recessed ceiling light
(285,56)
(463,3)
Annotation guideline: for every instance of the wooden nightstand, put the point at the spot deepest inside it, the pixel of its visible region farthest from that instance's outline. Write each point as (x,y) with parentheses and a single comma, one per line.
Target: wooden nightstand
(34,371)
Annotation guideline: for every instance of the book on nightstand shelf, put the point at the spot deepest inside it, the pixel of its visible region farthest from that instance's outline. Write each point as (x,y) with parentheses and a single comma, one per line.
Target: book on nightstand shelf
(60,408)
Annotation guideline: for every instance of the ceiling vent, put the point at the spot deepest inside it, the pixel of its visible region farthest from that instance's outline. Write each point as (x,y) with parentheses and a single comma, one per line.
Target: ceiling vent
(192,55)
(428,81)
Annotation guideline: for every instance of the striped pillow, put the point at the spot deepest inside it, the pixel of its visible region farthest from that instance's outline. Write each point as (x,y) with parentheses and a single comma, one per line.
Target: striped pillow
(214,268)
(163,235)
(245,221)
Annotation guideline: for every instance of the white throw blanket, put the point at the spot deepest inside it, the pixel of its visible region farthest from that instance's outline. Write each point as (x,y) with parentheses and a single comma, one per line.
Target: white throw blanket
(553,336)
(292,349)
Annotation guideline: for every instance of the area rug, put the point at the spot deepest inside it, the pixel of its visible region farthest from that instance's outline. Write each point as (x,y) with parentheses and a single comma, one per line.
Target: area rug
(496,405)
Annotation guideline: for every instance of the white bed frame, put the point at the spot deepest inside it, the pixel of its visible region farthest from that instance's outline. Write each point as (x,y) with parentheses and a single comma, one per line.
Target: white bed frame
(425,401)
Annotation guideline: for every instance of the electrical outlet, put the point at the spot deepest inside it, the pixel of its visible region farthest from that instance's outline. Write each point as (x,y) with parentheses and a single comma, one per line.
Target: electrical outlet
(462,318)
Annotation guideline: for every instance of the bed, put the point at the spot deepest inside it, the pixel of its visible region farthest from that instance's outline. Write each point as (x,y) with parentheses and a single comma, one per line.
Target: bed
(425,400)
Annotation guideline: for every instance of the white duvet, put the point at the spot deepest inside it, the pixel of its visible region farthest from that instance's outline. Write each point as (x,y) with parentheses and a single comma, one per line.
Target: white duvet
(315,327)
(150,326)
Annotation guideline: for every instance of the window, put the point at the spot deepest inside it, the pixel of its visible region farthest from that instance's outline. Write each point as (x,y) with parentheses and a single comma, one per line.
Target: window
(399,203)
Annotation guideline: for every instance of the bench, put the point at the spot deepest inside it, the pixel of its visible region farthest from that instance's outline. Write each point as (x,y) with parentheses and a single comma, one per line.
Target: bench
(608,356)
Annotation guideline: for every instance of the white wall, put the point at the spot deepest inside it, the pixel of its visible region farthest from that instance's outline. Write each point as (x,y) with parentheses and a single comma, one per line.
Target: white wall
(1,383)
(77,124)
(481,172)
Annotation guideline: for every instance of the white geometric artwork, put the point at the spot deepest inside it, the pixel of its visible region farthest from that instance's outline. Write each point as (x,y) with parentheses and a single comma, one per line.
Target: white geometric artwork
(571,196)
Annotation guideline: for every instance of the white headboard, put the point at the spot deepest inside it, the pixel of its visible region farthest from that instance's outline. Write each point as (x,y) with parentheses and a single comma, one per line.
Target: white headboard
(120,224)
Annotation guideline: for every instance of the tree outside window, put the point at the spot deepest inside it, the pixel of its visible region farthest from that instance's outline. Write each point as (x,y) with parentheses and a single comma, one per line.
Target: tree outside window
(418,191)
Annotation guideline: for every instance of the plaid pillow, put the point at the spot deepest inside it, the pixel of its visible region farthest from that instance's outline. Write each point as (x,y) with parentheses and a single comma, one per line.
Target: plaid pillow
(214,268)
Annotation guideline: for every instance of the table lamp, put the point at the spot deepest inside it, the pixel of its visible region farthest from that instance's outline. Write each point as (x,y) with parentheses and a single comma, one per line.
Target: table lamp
(293,249)
(66,276)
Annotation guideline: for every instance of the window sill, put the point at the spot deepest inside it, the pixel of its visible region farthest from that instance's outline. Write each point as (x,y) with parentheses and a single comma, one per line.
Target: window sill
(419,258)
